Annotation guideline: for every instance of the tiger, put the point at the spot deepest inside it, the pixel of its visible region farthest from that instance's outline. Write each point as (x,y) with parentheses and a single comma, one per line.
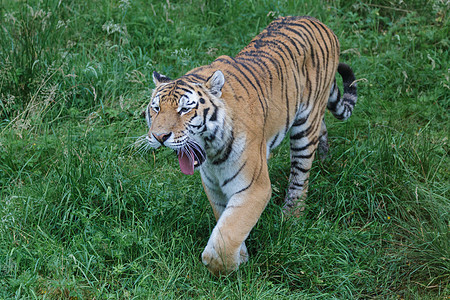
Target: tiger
(225,118)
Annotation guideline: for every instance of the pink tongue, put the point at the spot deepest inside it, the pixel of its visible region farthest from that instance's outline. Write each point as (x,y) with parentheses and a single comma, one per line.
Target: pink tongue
(186,162)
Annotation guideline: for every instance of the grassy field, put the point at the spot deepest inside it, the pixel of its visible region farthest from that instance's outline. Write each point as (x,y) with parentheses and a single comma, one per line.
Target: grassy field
(83,215)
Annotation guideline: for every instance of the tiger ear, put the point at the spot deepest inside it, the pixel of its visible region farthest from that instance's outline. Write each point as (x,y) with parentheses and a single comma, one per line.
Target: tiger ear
(159,78)
(215,83)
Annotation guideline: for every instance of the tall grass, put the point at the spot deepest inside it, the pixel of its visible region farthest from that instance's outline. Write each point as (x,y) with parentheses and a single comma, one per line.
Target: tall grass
(84,216)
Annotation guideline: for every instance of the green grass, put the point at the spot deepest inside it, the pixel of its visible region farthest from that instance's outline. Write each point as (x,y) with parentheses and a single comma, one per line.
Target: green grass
(83,216)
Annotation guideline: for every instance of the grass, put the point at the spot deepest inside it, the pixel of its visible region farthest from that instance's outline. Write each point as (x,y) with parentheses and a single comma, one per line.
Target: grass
(84,216)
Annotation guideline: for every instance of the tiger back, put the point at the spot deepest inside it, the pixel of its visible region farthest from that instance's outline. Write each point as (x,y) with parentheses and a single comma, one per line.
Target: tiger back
(226,117)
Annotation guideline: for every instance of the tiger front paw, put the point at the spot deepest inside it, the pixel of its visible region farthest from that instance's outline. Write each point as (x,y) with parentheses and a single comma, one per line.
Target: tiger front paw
(220,263)
(243,254)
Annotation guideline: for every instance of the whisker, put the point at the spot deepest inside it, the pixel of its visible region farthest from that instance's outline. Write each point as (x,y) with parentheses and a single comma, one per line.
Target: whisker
(140,146)
(198,149)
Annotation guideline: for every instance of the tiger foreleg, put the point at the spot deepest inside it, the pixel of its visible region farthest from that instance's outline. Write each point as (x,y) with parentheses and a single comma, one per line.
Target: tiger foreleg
(218,202)
(226,248)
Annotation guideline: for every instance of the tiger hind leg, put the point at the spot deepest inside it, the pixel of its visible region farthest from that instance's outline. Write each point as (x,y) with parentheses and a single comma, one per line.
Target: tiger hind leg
(304,138)
(323,141)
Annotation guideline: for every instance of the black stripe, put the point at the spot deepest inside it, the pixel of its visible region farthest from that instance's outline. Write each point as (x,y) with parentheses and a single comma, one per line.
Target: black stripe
(196,76)
(350,102)
(303,156)
(295,165)
(226,181)
(226,152)
(333,105)
(304,29)
(306,132)
(245,188)
(214,114)
(274,141)
(205,113)
(298,135)
(298,149)
(299,122)
(295,184)
(186,90)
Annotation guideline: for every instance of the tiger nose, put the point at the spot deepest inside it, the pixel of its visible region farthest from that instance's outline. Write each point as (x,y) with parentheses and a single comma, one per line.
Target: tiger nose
(162,137)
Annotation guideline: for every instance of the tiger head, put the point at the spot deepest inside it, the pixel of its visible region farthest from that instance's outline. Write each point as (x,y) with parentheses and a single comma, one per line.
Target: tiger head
(179,116)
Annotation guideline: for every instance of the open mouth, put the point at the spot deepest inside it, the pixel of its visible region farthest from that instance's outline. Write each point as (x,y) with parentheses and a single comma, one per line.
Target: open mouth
(190,156)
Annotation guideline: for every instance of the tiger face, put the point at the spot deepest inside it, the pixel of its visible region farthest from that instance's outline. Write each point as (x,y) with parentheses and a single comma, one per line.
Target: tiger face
(177,117)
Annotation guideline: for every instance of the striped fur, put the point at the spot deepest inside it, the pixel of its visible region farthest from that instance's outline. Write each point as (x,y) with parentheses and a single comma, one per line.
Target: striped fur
(226,117)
